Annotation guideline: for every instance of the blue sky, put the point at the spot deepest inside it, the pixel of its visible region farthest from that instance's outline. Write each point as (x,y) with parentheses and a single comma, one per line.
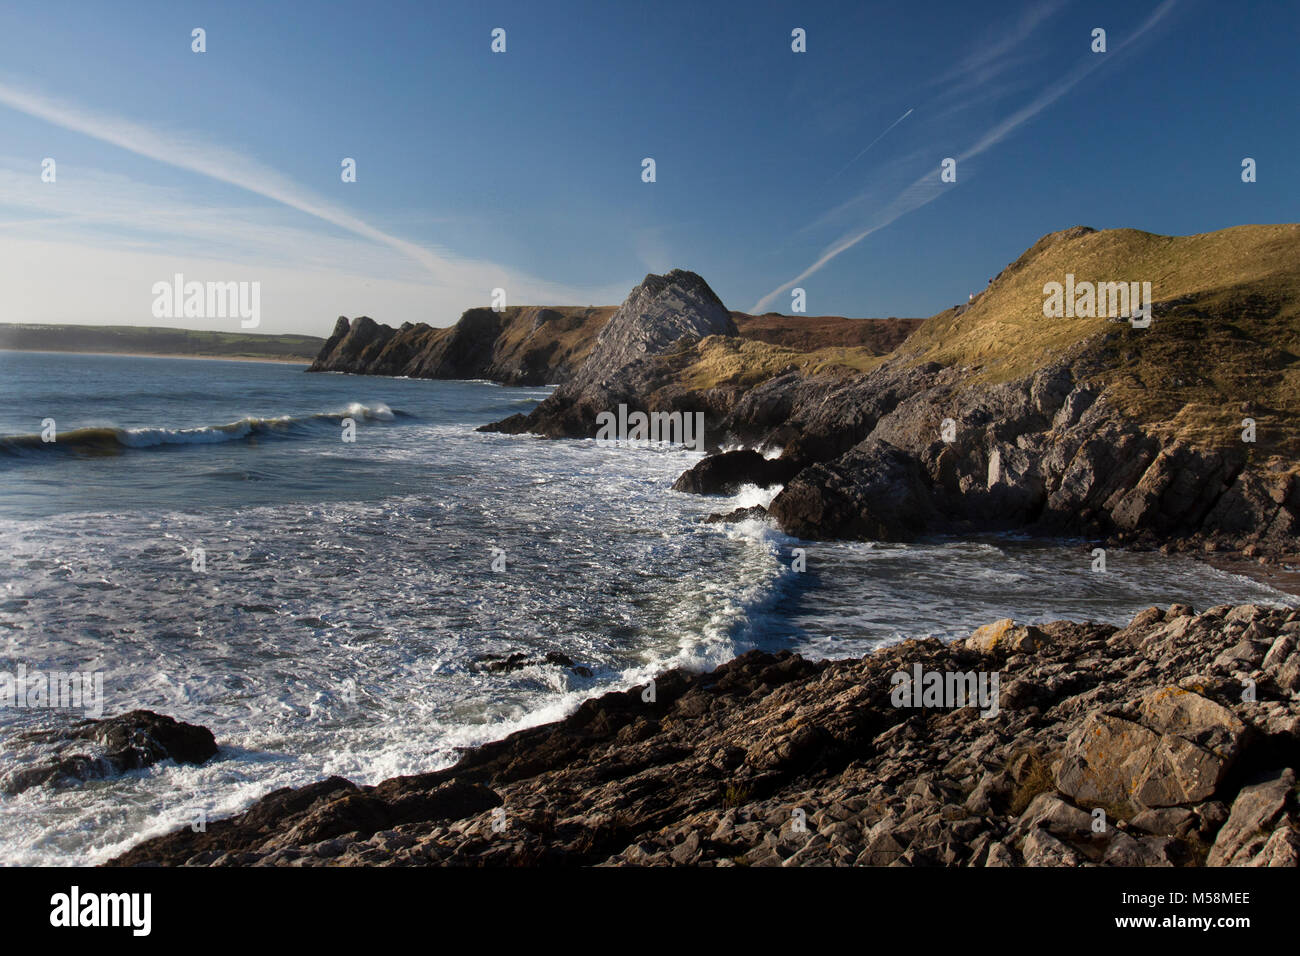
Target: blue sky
(522,170)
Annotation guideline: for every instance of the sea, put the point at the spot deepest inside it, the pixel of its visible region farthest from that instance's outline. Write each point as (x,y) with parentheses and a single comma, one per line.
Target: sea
(322,568)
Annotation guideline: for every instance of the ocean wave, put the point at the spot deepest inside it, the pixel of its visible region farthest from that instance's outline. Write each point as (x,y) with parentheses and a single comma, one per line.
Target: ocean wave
(110,440)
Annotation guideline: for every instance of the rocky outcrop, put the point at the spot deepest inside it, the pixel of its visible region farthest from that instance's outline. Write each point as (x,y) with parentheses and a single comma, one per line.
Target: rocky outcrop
(1171,741)
(660,316)
(727,473)
(102,748)
(736,515)
(657,314)
(914,450)
(1100,430)
(518,660)
(352,346)
(527,345)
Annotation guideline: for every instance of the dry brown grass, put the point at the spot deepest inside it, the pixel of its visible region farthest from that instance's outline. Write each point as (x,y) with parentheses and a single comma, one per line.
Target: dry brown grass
(719,361)
(1233,338)
(569,331)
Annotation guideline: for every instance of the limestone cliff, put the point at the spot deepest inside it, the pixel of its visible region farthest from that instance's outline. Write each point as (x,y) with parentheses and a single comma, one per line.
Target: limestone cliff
(992,416)
(521,345)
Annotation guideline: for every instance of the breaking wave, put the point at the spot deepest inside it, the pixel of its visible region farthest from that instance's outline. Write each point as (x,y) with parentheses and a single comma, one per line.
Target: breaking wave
(109,440)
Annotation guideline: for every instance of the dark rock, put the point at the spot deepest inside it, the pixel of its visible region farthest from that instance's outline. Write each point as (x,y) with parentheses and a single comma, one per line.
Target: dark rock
(505,664)
(876,492)
(1111,772)
(727,473)
(130,741)
(736,515)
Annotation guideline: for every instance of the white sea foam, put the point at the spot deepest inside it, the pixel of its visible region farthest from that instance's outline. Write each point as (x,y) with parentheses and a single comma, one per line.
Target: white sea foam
(750,495)
(374,566)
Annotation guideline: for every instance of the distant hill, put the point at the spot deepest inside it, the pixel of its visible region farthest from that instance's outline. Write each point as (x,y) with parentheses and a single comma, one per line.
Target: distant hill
(145,340)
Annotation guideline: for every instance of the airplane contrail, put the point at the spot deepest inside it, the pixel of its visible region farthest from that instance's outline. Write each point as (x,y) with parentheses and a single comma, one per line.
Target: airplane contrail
(922,191)
(870,144)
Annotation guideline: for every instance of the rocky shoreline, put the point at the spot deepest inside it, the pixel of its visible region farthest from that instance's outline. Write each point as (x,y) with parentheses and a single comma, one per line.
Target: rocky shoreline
(1172,741)
(989,419)
(1169,742)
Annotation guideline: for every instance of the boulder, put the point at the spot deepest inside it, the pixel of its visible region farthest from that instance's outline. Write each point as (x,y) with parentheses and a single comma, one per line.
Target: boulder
(1042,849)
(1177,752)
(876,493)
(727,473)
(736,515)
(1005,637)
(139,738)
(1050,812)
(1251,822)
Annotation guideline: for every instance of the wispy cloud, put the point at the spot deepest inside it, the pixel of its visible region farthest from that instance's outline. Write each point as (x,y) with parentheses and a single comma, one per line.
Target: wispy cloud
(927,187)
(207,159)
(151,224)
(111,209)
(1002,50)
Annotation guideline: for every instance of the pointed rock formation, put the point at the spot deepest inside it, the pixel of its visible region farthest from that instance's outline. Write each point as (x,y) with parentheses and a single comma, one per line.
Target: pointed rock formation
(655,316)
(661,314)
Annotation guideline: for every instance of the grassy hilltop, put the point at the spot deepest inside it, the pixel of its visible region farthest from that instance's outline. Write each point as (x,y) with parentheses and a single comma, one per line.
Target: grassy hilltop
(1224,342)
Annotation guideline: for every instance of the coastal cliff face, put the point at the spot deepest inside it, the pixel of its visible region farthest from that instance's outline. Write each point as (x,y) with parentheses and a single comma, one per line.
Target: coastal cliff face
(658,313)
(1114,746)
(662,317)
(535,345)
(1184,434)
(673,347)
(522,345)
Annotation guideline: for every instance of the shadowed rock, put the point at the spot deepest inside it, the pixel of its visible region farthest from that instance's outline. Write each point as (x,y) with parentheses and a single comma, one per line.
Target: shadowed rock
(128,741)
(727,473)
(520,345)
(752,513)
(710,768)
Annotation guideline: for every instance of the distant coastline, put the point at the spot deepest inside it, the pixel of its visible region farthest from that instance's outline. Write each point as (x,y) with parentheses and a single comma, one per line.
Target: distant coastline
(154,342)
(167,355)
